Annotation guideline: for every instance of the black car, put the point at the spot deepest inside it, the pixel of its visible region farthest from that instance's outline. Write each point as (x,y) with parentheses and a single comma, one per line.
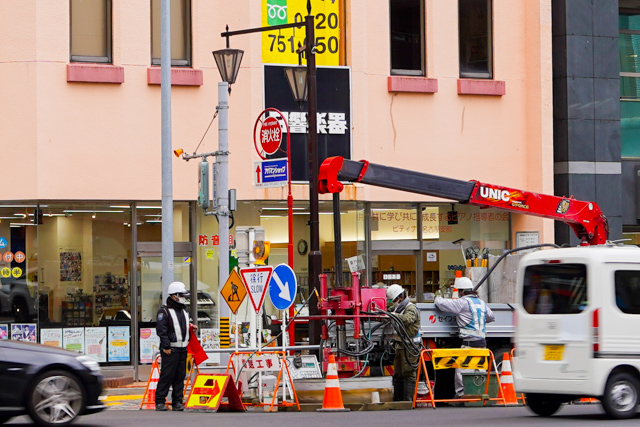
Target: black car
(51,385)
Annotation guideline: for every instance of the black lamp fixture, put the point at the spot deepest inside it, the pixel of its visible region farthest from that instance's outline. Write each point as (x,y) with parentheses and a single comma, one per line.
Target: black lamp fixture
(297,79)
(228,62)
(452,215)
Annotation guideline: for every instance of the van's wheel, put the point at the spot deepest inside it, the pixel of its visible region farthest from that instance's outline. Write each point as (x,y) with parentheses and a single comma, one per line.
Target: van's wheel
(620,399)
(543,405)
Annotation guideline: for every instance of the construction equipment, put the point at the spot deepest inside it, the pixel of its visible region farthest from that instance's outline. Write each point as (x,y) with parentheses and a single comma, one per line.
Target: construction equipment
(353,327)
(585,218)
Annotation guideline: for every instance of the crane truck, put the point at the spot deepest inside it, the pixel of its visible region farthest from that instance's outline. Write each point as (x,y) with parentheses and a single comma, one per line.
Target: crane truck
(352,326)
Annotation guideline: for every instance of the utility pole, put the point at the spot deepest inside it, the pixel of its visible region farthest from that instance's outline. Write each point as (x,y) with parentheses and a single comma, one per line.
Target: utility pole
(222,188)
(167,175)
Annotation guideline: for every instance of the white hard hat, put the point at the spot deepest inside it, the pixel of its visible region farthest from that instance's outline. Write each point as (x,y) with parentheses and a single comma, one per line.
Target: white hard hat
(177,288)
(463,283)
(394,291)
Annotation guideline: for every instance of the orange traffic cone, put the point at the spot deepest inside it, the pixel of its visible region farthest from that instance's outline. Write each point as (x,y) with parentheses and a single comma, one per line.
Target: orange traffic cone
(149,398)
(332,401)
(506,381)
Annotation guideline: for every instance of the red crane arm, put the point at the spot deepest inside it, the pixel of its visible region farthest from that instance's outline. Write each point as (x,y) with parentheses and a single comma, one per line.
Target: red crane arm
(585,218)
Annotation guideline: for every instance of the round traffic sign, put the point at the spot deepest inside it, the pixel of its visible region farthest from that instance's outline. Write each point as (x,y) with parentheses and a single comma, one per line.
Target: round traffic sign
(270,135)
(283,287)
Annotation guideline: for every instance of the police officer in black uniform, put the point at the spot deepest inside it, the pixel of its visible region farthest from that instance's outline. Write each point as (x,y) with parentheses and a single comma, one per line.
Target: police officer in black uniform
(172,326)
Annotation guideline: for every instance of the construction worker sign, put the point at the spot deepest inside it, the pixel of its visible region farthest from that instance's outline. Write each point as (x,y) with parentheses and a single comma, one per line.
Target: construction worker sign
(208,392)
(234,291)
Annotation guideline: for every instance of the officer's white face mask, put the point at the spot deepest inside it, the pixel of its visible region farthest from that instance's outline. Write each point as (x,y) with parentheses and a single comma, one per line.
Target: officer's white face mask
(179,299)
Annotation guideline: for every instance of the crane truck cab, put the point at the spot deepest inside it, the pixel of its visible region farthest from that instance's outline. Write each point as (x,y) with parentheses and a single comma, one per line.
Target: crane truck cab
(578,328)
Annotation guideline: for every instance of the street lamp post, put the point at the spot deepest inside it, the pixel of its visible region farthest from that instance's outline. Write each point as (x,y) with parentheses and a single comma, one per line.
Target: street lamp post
(228,62)
(315,256)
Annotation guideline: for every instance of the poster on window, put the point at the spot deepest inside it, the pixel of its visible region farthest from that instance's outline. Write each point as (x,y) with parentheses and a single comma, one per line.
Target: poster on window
(24,332)
(51,337)
(70,266)
(4,332)
(210,340)
(73,339)
(119,347)
(95,341)
(149,344)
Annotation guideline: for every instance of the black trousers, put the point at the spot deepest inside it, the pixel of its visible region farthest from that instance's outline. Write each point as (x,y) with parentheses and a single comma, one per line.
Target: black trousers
(172,373)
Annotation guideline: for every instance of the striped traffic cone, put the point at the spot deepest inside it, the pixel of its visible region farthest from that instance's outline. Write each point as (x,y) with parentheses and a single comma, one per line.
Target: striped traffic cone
(332,401)
(506,381)
(149,398)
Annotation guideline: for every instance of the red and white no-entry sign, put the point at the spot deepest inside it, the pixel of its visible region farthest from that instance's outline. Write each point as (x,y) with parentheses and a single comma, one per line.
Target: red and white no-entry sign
(270,135)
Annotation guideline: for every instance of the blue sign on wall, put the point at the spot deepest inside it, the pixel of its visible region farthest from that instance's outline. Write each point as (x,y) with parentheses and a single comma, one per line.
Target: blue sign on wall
(283,287)
(271,173)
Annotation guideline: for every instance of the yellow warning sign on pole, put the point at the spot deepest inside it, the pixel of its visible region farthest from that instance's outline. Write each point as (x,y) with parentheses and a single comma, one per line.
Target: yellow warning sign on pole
(234,292)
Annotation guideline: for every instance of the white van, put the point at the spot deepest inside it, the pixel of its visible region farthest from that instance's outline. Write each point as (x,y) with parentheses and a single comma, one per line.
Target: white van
(578,328)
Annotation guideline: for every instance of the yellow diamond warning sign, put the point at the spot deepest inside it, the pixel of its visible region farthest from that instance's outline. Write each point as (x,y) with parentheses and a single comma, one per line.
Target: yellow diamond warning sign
(234,291)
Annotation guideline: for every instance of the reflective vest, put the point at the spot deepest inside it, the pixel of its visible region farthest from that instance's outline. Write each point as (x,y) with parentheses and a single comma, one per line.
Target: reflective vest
(180,340)
(476,327)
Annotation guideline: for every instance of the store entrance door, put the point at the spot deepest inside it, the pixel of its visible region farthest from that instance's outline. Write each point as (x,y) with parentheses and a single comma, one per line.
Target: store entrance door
(149,297)
(150,277)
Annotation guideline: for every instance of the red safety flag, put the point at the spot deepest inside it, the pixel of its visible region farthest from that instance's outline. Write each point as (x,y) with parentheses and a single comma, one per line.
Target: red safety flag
(194,347)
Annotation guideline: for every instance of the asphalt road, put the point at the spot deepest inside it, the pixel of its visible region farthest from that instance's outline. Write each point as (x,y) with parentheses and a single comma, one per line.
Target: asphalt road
(591,414)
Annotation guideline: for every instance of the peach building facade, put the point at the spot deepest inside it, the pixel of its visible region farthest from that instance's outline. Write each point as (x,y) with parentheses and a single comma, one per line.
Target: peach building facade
(87,137)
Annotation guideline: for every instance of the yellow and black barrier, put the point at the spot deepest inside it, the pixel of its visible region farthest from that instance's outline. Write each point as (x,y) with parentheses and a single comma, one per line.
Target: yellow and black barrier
(462,358)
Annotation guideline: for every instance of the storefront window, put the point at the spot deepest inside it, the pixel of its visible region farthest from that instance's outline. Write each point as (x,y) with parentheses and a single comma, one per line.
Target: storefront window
(18,273)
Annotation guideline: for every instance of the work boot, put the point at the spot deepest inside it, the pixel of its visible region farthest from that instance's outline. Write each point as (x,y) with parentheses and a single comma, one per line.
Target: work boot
(161,407)
(178,406)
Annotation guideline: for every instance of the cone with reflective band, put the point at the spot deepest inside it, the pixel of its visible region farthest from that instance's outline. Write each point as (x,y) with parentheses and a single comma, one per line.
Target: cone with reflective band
(506,381)
(332,401)
(150,399)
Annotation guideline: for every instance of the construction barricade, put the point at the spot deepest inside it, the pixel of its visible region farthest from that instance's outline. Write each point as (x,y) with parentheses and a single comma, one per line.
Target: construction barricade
(461,358)
(149,396)
(264,362)
(215,392)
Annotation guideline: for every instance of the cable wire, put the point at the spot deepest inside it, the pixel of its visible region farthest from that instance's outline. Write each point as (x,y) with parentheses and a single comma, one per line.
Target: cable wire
(205,132)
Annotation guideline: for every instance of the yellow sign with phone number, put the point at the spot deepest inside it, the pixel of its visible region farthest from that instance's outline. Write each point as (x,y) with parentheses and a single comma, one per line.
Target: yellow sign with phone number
(279,46)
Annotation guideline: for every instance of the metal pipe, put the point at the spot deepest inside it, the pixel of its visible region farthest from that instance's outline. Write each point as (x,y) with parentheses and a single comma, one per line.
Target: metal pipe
(315,256)
(167,176)
(133,289)
(355,295)
(337,233)
(251,349)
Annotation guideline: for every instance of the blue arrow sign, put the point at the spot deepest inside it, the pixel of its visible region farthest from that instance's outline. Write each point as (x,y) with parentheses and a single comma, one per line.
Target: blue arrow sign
(283,287)
(3,243)
(271,173)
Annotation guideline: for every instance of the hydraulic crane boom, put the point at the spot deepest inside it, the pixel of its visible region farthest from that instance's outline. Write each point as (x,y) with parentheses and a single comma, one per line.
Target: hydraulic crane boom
(585,218)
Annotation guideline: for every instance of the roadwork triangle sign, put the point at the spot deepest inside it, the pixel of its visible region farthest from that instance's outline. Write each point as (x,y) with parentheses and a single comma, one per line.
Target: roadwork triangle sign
(256,280)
